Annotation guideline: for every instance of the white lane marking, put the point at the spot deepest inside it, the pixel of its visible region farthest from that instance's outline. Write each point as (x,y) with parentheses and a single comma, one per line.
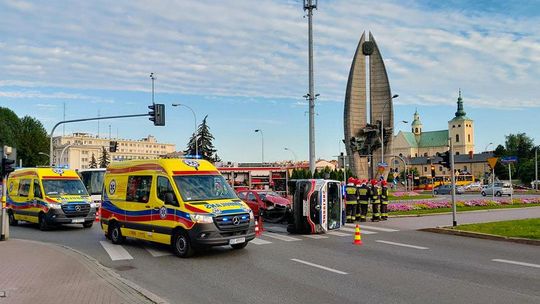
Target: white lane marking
(315,236)
(158,253)
(401,244)
(336,233)
(516,263)
(281,237)
(116,252)
(379,228)
(319,266)
(362,231)
(258,241)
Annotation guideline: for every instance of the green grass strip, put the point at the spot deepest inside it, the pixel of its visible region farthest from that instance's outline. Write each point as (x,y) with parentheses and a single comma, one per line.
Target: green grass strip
(459,209)
(409,198)
(528,228)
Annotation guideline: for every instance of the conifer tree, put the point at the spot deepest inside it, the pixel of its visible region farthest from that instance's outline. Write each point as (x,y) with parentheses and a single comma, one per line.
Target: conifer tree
(93,162)
(204,141)
(104,159)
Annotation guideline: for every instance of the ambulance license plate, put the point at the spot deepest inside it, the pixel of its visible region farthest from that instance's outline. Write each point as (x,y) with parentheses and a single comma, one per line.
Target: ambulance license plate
(237,241)
(77,220)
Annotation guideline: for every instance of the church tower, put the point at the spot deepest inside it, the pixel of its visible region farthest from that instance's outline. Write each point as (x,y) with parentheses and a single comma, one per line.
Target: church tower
(416,125)
(461,130)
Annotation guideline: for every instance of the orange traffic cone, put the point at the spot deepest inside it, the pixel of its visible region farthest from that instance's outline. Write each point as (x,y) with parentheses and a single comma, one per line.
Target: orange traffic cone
(357,236)
(97,214)
(257,230)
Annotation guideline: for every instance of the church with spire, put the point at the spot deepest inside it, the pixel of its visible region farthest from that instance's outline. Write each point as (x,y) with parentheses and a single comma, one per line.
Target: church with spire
(420,143)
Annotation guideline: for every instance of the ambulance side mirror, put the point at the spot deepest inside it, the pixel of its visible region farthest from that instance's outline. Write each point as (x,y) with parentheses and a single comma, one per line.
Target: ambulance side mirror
(317,207)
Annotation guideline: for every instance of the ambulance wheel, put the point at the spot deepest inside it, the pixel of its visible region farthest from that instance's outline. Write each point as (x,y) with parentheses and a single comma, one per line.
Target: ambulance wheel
(181,244)
(12,220)
(239,246)
(43,226)
(115,234)
(88,224)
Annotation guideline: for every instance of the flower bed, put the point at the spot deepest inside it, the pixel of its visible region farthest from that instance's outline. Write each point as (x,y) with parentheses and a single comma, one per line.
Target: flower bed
(471,203)
(403,193)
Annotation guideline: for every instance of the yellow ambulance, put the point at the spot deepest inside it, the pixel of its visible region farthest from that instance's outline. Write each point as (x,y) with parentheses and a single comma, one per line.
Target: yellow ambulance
(48,197)
(185,203)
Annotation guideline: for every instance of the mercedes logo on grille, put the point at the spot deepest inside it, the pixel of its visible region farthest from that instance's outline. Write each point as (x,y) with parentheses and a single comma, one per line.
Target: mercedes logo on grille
(77,208)
(236,220)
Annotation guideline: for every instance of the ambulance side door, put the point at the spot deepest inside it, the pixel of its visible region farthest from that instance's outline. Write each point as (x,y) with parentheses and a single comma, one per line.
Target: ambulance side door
(24,196)
(137,207)
(163,207)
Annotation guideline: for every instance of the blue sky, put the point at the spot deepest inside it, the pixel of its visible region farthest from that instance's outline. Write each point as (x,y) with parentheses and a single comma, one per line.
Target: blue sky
(245,66)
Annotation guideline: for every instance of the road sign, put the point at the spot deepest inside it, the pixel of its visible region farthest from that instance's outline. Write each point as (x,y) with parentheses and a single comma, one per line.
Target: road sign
(509,159)
(492,161)
(383,164)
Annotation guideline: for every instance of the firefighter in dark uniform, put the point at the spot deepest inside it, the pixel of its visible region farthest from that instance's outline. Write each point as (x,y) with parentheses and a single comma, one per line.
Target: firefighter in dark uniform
(375,201)
(357,183)
(351,198)
(384,201)
(363,200)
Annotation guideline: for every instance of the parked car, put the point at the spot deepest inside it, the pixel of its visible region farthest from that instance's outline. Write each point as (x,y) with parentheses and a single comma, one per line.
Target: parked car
(535,183)
(447,189)
(499,189)
(267,203)
(476,186)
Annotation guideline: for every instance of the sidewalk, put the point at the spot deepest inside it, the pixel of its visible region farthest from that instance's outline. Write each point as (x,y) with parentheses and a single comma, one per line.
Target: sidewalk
(35,272)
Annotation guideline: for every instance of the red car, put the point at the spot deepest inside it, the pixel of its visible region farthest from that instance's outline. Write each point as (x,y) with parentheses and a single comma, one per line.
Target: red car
(268,204)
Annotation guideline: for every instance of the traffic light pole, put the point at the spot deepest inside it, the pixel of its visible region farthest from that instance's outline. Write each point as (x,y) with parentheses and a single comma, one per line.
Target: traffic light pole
(51,151)
(454,221)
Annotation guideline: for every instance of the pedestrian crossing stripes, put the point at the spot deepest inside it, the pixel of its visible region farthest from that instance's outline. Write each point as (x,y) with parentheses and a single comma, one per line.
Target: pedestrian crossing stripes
(337,233)
(281,237)
(119,252)
(116,252)
(315,236)
(258,241)
(158,253)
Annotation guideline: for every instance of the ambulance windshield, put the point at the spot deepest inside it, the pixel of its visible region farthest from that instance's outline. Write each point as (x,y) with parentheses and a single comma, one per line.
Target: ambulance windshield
(64,187)
(203,187)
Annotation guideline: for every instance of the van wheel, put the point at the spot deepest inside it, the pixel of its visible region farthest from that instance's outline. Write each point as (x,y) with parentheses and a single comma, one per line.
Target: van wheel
(498,193)
(239,246)
(12,220)
(483,193)
(436,192)
(88,224)
(43,226)
(115,234)
(181,245)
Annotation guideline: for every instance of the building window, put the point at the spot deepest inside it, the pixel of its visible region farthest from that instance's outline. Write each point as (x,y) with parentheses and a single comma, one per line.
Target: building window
(401,154)
(457,153)
(425,169)
(415,154)
(415,130)
(459,126)
(469,137)
(464,168)
(453,126)
(440,169)
(457,137)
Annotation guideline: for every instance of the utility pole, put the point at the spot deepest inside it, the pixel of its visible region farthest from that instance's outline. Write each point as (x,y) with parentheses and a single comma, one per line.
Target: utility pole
(454,221)
(309,5)
(536,168)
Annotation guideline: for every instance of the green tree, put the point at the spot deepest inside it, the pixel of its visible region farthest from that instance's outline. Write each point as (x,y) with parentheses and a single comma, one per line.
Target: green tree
(93,162)
(27,135)
(204,140)
(104,159)
(521,146)
(32,139)
(10,125)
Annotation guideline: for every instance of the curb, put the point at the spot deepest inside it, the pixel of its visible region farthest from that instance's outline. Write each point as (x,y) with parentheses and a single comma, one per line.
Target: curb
(478,235)
(130,290)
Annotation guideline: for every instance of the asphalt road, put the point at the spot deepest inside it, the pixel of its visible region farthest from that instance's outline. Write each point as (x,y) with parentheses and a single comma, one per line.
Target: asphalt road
(395,264)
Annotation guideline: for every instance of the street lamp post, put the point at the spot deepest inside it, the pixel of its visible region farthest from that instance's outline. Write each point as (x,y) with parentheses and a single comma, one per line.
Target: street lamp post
(294,154)
(536,168)
(492,176)
(195,126)
(382,126)
(262,143)
(62,153)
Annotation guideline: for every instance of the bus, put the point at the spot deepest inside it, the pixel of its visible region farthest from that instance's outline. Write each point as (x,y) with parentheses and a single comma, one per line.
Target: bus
(93,181)
(428,183)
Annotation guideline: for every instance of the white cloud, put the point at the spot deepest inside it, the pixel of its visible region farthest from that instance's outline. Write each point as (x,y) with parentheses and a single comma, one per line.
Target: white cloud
(236,48)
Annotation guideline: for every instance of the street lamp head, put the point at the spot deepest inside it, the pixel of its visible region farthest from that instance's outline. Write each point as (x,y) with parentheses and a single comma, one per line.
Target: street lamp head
(258,130)
(404,121)
(395,96)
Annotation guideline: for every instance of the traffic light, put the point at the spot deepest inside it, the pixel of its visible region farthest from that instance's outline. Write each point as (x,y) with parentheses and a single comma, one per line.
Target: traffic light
(445,162)
(6,167)
(157,114)
(432,171)
(113,146)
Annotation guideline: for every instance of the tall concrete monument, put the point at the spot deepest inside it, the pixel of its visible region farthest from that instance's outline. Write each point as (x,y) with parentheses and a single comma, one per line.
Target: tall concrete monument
(363,136)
